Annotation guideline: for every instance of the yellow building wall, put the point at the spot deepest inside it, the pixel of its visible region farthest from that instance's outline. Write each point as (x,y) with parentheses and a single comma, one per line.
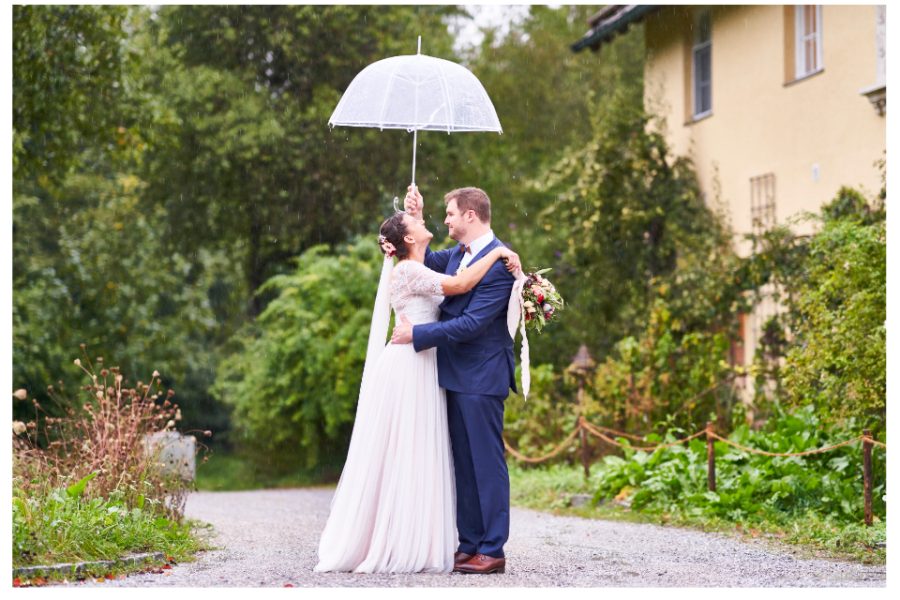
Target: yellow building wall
(759,123)
(762,123)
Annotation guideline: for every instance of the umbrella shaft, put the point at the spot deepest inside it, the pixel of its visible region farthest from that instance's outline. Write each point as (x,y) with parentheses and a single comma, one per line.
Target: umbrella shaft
(415,138)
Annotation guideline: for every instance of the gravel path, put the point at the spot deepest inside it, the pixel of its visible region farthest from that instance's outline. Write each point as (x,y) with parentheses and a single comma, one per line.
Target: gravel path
(269,538)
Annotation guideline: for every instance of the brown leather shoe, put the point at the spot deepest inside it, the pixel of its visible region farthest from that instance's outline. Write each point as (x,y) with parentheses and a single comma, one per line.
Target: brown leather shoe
(482,564)
(459,558)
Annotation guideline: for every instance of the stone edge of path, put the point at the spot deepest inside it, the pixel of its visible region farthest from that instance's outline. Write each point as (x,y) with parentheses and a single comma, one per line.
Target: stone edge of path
(63,569)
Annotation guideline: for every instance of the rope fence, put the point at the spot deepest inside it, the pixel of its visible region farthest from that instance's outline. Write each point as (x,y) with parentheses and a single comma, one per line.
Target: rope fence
(553,453)
(630,436)
(594,430)
(582,426)
(785,454)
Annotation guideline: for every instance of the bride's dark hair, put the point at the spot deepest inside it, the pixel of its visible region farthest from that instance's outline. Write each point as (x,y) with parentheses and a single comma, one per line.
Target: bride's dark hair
(392,230)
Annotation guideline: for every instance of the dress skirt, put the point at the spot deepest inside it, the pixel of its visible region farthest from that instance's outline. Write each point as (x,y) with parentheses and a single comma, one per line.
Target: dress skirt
(394,507)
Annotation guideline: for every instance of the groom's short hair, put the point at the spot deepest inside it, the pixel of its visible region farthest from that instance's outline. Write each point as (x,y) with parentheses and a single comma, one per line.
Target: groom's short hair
(471,198)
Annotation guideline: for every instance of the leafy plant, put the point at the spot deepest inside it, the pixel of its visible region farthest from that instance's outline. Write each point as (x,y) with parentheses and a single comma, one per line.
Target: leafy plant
(86,485)
(555,487)
(76,490)
(750,486)
(51,525)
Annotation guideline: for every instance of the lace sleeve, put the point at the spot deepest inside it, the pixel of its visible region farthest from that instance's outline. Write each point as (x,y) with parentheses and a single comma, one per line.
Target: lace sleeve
(419,280)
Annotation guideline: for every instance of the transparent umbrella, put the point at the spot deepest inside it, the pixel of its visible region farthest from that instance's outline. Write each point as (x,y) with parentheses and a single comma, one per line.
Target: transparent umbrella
(416,93)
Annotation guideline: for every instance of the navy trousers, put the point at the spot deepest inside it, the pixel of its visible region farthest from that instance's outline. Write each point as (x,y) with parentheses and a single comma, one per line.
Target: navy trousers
(482,479)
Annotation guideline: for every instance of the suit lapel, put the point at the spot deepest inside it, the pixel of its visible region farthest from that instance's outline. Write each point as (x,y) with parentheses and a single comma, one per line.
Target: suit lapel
(453,263)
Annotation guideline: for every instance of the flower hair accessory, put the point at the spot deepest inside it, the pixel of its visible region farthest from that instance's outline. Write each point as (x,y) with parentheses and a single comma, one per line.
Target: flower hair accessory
(388,247)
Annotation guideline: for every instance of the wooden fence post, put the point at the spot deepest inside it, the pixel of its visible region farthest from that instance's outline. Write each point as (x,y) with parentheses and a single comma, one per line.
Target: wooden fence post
(710,458)
(582,366)
(585,452)
(867,475)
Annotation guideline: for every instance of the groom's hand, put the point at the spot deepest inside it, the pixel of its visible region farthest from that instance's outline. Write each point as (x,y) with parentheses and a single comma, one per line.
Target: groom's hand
(402,332)
(413,203)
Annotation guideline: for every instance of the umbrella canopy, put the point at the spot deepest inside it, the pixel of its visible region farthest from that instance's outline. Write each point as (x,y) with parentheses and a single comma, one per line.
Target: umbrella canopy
(418,93)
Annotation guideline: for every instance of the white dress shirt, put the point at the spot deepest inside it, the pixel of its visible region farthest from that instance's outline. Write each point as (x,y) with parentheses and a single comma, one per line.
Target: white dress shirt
(477,245)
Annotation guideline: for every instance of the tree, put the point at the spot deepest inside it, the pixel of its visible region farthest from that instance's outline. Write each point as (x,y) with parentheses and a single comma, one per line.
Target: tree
(293,375)
(142,146)
(69,63)
(544,92)
(115,285)
(91,263)
(544,95)
(248,157)
(626,214)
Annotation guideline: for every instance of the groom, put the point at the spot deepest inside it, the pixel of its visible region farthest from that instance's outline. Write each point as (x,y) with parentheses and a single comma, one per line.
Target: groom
(476,368)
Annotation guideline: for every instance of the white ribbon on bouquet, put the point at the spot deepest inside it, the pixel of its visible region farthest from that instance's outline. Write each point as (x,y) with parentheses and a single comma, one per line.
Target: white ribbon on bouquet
(515,317)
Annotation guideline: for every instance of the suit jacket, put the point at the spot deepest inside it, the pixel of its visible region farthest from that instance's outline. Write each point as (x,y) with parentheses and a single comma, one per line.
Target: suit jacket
(474,348)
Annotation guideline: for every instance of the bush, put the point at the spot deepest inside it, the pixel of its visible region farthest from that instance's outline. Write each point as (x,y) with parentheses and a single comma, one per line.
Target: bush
(828,347)
(536,425)
(293,379)
(669,376)
(837,358)
(85,486)
(100,440)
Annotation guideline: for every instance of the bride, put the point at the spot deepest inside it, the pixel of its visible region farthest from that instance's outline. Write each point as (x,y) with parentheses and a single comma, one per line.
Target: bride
(394,507)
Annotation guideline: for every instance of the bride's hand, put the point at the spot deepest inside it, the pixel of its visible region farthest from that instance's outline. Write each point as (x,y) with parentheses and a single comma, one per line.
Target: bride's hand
(413,203)
(511,259)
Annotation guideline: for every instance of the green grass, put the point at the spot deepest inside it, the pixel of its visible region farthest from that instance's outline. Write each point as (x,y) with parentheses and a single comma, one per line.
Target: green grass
(56,527)
(223,471)
(550,489)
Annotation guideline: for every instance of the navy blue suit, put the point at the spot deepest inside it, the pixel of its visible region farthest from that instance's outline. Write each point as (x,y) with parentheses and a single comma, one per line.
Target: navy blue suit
(477,370)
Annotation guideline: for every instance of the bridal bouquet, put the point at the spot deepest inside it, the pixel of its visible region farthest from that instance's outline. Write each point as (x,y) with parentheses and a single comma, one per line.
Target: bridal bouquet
(532,303)
(541,301)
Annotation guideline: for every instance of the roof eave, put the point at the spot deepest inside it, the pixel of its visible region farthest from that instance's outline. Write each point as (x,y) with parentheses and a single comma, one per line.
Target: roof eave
(609,22)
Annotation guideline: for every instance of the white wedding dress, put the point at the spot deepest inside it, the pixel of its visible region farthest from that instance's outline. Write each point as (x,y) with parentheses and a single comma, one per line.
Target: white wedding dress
(394,506)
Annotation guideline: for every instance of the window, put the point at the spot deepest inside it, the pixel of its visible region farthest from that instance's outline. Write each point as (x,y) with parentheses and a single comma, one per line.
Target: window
(762,214)
(762,202)
(807,40)
(702,65)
